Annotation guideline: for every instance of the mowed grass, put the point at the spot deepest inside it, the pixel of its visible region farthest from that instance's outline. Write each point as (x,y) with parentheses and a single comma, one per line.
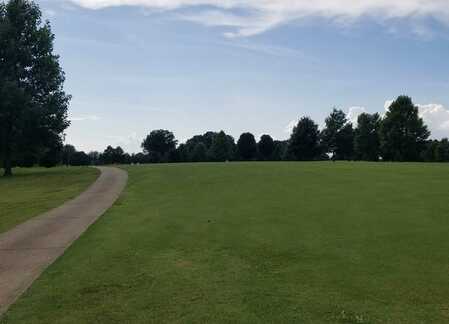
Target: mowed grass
(33,191)
(259,243)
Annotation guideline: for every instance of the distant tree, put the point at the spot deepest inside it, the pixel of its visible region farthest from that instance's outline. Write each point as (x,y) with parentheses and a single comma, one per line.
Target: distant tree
(345,143)
(366,140)
(304,141)
(247,147)
(430,151)
(199,153)
(158,144)
(33,104)
(403,133)
(329,136)
(222,148)
(80,159)
(94,157)
(112,155)
(67,153)
(443,151)
(52,155)
(266,147)
(280,150)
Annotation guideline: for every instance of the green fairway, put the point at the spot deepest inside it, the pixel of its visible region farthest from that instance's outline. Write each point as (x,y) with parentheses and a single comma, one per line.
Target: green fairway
(33,191)
(258,243)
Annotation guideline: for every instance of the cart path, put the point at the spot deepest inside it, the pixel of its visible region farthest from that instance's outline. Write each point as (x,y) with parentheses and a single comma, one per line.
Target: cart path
(29,248)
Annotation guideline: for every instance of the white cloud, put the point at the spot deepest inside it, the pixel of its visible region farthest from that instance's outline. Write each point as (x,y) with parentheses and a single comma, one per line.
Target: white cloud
(289,128)
(354,113)
(85,118)
(436,117)
(261,15)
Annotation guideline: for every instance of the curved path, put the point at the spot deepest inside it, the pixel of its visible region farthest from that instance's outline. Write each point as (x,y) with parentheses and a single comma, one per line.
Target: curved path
(28,249)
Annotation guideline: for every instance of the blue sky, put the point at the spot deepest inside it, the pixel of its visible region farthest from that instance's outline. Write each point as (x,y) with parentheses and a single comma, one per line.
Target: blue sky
(244,65)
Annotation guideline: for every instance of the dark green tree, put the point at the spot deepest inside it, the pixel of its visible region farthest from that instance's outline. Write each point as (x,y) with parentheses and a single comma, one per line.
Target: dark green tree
(304,141)
(403,133)
(80,159)
(112,155)
(199,153)
(329,136)
(443,151)
(247,147)
(430,151)
(67,153)
(159,144)
(345,143)
(222,148)
(33,104)
(367,140)
(265,147)
(280,150)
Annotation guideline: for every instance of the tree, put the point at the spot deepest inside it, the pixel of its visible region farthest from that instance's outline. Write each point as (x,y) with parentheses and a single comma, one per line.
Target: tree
(112,155)
(280,150)
(80,159)
(443,151)
(345,143)
(304,141)
(329,136)
(247,147)
(266,147)
(222,148)
(403,133)
(199,153)
(33,104)
(158,144)
(366,140)
(67,152)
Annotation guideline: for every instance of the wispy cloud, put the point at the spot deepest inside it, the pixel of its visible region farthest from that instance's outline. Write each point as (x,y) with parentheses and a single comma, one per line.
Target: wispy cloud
(85,118)
(251,17)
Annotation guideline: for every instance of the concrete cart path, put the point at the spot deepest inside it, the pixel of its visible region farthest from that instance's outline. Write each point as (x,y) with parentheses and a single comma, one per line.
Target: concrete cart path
(28,249)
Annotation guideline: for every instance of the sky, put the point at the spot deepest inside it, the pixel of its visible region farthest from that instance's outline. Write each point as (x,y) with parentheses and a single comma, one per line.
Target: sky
(256,66)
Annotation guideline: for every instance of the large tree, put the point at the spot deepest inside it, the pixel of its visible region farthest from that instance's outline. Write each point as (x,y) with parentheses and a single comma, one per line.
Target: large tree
(334,123)
(266,147)
(366,140)
(33,104)
(247,147)
(222,148)
(403,133)
(304,141)
(159,144)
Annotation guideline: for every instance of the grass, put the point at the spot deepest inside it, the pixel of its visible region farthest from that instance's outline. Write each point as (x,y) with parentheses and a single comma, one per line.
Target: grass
(259,243)
(33,191)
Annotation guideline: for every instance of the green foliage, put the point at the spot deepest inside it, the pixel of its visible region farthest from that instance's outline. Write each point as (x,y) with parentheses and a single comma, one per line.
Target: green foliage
(158,144)
(338,137)
(222,148)
(266,147)
(304,141)
(247,147)
(403,133)
(112,155)
(367,140)
(33,104)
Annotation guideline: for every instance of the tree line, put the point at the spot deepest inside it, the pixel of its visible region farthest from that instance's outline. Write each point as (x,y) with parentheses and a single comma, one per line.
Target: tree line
(400,135)
(34,116)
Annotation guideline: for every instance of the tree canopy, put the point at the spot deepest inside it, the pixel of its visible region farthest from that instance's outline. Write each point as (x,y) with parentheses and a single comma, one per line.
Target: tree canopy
(247,147)
(304,141)
(33,104)
(158,144)
(403,133)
